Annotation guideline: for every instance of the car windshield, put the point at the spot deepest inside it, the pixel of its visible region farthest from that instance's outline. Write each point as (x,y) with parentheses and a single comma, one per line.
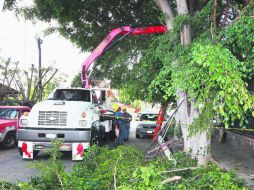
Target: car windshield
(8,113)
(149,117)
(71,95)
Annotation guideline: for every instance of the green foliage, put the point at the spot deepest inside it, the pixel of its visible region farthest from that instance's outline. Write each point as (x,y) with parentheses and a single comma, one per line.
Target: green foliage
(239,39)
(124,97)
(161,88)
(211,178)
(6,185)
(136,104)
(215,78)
(125,168)
(53,84)
(98,168)
(76,81)
(174,130)
(249,9)
(87,23)
(150,78)
(51,173)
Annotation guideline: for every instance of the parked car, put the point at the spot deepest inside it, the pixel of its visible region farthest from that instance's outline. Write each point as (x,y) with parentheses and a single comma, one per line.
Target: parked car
(9,123)
(146,124)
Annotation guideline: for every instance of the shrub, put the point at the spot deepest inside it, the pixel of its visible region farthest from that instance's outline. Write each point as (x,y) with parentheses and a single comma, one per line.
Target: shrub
(125,168)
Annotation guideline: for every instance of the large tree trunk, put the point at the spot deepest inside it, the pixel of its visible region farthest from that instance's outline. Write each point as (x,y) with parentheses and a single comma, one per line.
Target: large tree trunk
(196,145)
(166,9)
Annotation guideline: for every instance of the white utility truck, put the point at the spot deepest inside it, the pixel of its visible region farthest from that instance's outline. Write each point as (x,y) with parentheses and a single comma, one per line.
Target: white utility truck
(73,115)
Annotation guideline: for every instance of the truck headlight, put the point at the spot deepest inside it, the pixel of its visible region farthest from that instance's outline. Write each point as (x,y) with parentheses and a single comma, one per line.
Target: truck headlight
(24,122)
(82,123)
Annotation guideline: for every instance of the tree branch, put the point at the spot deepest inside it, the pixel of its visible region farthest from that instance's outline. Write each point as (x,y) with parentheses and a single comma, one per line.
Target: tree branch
(14,73)
(5,71)
(175,178)
(181,169)
(35,88)
(115,171)
(166,9)
(20,85)
(49,78)
(30,81)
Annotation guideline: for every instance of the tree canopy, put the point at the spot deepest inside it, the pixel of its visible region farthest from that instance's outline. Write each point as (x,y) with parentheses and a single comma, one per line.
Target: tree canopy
(225,28)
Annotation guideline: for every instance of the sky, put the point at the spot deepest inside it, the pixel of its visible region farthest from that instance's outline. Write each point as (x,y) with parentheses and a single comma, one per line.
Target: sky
(18,42)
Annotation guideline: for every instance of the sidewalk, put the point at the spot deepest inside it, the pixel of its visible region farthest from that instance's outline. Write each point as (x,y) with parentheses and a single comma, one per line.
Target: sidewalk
(239,161)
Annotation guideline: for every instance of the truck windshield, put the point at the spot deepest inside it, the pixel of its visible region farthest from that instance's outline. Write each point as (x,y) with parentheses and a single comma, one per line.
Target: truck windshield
(71,95)
(8,113)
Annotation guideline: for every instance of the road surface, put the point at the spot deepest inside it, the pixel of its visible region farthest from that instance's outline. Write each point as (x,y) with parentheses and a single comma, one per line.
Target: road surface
(14,168)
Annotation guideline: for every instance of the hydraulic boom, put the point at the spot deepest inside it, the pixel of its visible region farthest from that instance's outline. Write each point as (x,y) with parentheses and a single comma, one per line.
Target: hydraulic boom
(104,46)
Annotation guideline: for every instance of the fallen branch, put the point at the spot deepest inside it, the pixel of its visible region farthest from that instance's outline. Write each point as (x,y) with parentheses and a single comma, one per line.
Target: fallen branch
(219,164)
(115,171)
(175,178)
(181,169)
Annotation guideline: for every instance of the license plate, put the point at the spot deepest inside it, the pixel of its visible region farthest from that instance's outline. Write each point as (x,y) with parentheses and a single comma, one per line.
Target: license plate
(39,147)
(50,136)
(150,132)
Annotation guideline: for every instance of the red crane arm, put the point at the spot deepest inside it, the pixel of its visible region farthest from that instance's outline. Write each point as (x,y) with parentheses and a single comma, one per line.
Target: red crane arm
(101,48)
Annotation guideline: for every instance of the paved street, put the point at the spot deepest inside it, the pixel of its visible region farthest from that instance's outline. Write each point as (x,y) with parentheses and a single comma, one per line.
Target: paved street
(14,168)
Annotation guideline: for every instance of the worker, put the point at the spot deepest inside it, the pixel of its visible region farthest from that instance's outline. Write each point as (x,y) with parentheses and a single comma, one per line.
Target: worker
(119,124)
(127,119)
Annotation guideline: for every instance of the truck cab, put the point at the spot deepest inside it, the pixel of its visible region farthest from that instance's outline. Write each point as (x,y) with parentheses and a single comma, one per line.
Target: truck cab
(69,114)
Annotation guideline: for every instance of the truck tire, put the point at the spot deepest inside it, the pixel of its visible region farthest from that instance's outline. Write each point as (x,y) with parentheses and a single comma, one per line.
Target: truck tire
(139,136)
(9,141)
(95,138)
(35,152)
(112,134)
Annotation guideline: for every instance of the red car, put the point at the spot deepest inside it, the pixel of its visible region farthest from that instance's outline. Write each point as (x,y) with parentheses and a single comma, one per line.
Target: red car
(9,123)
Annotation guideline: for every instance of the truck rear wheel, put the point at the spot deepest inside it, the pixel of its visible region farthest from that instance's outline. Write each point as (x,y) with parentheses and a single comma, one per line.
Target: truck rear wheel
(9,141)
(35,152)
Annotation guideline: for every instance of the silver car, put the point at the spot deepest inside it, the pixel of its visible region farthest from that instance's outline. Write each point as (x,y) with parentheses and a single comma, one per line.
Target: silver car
(146,124)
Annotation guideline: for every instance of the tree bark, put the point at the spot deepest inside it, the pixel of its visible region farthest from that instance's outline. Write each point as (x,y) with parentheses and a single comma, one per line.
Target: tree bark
(167,10)
(197,144)
(30,81)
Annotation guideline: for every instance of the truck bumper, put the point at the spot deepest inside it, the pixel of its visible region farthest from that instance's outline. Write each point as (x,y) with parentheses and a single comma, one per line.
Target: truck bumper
(76,148)
(39,139)
(46,135)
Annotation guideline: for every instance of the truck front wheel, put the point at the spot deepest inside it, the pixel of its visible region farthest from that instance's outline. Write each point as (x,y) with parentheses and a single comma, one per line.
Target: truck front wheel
(35,152)
(95,138)
(9,141)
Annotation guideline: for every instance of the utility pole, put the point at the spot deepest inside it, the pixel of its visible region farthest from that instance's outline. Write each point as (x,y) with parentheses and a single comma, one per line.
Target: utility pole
(39,42)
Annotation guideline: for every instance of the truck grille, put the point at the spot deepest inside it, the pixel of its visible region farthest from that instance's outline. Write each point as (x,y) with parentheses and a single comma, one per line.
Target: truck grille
(52,118)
